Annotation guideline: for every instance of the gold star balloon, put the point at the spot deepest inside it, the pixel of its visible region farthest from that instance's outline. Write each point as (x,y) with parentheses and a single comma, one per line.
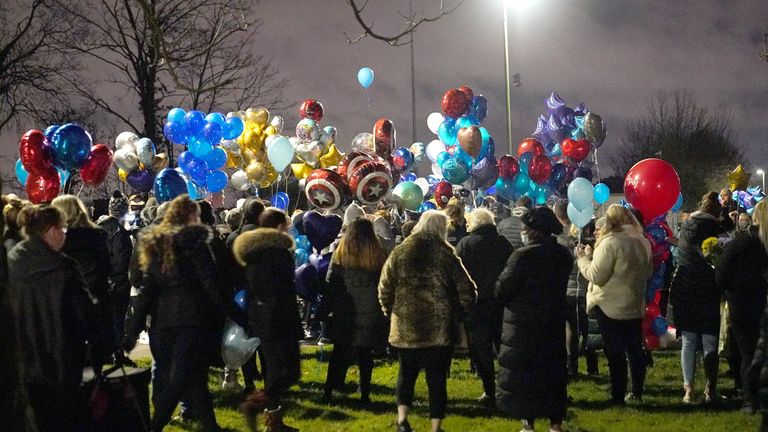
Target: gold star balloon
(738,179)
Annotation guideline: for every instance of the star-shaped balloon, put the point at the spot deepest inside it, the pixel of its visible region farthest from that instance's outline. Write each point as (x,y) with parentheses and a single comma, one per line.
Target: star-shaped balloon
(738,179)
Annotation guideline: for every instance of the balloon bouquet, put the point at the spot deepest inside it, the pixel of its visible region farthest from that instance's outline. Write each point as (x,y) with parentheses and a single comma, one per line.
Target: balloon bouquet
(47,159)
(314,146)
(137,161)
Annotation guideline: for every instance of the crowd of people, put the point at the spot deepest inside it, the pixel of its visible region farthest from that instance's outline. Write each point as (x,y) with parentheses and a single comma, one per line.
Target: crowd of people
(518,285)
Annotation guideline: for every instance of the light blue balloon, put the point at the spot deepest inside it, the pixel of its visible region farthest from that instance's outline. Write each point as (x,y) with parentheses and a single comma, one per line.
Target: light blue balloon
(63,175)
(447,132)
(280,153)
(580,218)
(301,257)
(176,115)
(365,77)
(678,204)
(216,159)
(441,158)
(302,242)
(542,193)
(199,147)
(21,173)
(602,193)
(194,192)
(216,181)
(463,122)
(580,193)
(215,117)
(521,183)
(485,135)
(504,188)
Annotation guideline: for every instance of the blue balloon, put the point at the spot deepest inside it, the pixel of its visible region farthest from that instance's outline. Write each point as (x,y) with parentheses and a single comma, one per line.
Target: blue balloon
(447,132)
(216,181)
(185,158)
(602,193)
(199,147)
(302,242)
(21,173)
(559,175)
(455,171)
(524,161)
(463,122)
(491,190)
(505,188)
(175,131)
(442,157)
(478,108)
(658,233)
(365,77)
(195,121)
(300,257)
(463,156)
(678,204)
(408,177)
(660,326)
(241,298)
(194,192)
(63,175)
(197,171)
(217,118)
(582,217)
(176,115)
(580,193)
(542,193)
(215,159)
(233,128)
(488,149)
(213,132)
(49,131)
(521,183)
(280,200)
(71,146)
(426,206)
(169,185)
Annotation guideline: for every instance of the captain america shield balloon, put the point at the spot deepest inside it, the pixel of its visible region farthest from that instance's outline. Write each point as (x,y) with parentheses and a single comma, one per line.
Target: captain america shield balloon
(351,161)
(325,189)
(370,182)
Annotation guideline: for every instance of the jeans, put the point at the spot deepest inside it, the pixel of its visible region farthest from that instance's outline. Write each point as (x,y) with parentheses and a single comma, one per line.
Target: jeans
(576,330)
(437,363)
(691,342)
(622,339)
(341,357)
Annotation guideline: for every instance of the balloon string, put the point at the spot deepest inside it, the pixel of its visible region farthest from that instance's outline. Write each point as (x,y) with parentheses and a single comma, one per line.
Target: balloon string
(368,96)
(597,166)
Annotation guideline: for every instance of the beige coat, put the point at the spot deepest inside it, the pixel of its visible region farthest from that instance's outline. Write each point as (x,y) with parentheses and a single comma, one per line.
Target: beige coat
(617,273)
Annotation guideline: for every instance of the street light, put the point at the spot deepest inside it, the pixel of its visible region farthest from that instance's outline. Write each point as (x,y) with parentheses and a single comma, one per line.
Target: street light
(506,77)
(760,172)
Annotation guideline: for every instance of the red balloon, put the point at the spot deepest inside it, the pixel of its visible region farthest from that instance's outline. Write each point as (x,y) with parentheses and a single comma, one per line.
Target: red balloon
(311,109)
(652,186)
(508,166)
(43,188)
(467,90)
(370,182)
(455,103)
(530,145)
(325,189)
(647,326)
(34,153)
(443,193)
(384,137)
(577,150)
(652,311)
(97,165)
(540,169)
(651,341)
(351,161)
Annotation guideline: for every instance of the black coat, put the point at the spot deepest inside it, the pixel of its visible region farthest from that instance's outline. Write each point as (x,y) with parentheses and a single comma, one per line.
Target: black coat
(11,237)
(53,313)
(233,235)
(353,296)
(741,272)
(484,253)
(511,227)
(456,233)
(694,293)
(120,251)
(532,376)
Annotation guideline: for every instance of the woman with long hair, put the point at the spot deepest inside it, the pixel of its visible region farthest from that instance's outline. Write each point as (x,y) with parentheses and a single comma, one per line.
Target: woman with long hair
(53,317)
(742,274)
(426,292)
(267,255)
(12,231)
(357,326)
(457,224)
(617,272)
(182,294)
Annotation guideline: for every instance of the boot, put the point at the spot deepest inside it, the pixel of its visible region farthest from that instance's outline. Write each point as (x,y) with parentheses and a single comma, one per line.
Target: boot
(254,404)
(711,365)
(273,420)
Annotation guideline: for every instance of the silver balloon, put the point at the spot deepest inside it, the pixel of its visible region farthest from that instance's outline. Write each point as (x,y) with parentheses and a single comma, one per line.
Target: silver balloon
(239,180)
(230,146)
(309,152)
(362,142)
(328,135)
(125,138)
(277,122)
(145,150)
(126,159)
(594,129)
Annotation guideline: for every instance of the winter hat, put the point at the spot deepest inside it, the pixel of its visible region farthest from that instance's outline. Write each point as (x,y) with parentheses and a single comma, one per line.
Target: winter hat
(353,212)
(118,204)
(149,212)
(543,220)
(710,203)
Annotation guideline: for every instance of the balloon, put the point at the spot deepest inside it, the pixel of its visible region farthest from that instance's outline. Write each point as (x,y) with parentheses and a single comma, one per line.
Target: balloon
(601,192)
(408,195)
(122,175)
(236,346)
(216,181)
(454,103)
(241,298)
(434,148)
(583,172)
(123,139)
(365,77)
(141,180)
(471,140)
(328,135)
(478,107)
(443,193)
(525,161)
(300,257)
(530,145)
(176,115)
(175,131)
(35,155)
(126,159)
(521,183)
(306,278)
(541,194)
(277,123)
(508,166)
(197,170)
(70,145)
(575,149)
(594,129)
(559,175)
(96,166)
(454,170)
(580,193)
(384,138)
(540,168)
(233,128)
(217,118)
(426,206)
(239,180)
(651,341)
(580,218)
(169,185)
(325,189)
(555,129)
(255,172)
(321,230)
(505,188)
(213,132)
(307,130)
(447,132)
(464,122)
(433,121)
(199,147)
(311,109)
(280,200)
(738,179)
(145,150)
(402,159)
(280,153)
(483,175)
(309,152)
(44,187)
(660,326)
(195,121)
(21,173)
(258,116)
(362,142)
(216,159)
(652,186)
(678,204)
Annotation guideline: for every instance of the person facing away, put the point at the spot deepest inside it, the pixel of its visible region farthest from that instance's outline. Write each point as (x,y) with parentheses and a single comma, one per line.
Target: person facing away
(511,226)
(457,224)
(426,292)
(484,254)
(356,326)
(249,220)
(532,377)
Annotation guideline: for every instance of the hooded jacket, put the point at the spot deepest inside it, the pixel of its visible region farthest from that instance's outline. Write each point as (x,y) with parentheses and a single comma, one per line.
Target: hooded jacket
(511,227)
(484,254)
(120,251)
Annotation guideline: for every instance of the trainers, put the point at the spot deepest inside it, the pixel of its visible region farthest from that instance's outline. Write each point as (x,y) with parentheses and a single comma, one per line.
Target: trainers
(143,338)
(632,397)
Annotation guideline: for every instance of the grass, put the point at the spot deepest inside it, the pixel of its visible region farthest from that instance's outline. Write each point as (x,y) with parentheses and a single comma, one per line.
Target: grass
(661,411)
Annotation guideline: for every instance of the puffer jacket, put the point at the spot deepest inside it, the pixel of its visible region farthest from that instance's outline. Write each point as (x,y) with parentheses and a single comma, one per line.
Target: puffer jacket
(484,254)
(511,227)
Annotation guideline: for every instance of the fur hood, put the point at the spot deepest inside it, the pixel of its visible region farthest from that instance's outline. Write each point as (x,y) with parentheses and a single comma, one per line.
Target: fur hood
(193,236)
(251,242)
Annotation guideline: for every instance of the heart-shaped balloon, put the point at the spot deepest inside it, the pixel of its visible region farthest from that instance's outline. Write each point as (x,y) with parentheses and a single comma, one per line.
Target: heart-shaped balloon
(471,140)
(35,155)
(540,168)
(96,167)
(126,159)
(44,187)
(141,180)
(575,149)
(321,229)
(531,145)
(145,150)
(508,166)
(384,138)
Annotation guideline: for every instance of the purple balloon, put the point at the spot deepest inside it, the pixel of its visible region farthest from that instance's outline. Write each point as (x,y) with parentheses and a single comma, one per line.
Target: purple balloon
(580,109)
(555,128)
(306,278)
(321,229)
(141,180)
(484,174)
(554,102)
(566,116)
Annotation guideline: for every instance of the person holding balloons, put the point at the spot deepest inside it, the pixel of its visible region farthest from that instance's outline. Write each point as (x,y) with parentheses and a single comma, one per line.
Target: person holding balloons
(617,271)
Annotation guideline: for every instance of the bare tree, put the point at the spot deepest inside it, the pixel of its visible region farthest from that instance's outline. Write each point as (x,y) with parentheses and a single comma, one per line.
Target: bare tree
(412,21)
(697,142)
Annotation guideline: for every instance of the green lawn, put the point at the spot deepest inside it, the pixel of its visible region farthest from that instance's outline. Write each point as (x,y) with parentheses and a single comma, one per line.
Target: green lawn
(662,409)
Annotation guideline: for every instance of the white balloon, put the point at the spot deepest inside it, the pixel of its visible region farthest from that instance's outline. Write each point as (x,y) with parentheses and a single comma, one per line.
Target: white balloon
(434,148)
(434,120)
(277,122)
(423,184)
(126,159)
(145,150)
(125,138)
(239,180)
(436,171)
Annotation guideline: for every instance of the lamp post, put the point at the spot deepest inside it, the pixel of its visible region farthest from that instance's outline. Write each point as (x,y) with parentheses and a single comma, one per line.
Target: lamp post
(506,77)
(760,172)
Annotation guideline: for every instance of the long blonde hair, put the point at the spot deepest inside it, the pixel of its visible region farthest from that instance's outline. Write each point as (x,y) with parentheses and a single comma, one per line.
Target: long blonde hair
(359,248)
(615,218)
(157,242)
(760,218)
(74,211)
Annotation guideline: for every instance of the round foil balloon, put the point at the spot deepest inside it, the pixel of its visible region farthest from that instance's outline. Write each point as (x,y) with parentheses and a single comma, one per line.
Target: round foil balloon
(363,142)
(307,130)
(325,189)
(311,109)
(443,193)
(34,153)
(351,161)
(370,182)
(96,167)
(169,185)
(70,145)
(44,187)
(455,103)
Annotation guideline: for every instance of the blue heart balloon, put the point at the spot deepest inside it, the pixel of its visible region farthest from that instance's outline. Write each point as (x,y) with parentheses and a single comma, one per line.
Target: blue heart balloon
(169,185)
(71,145)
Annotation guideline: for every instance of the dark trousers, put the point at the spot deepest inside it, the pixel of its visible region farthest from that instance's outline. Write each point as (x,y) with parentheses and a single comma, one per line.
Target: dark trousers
(120,300)
(437,363)
(746,334)
(622,339)
(182,356)
(577,328)
(54,406)
(341,358)
(483,330)
(251,371)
